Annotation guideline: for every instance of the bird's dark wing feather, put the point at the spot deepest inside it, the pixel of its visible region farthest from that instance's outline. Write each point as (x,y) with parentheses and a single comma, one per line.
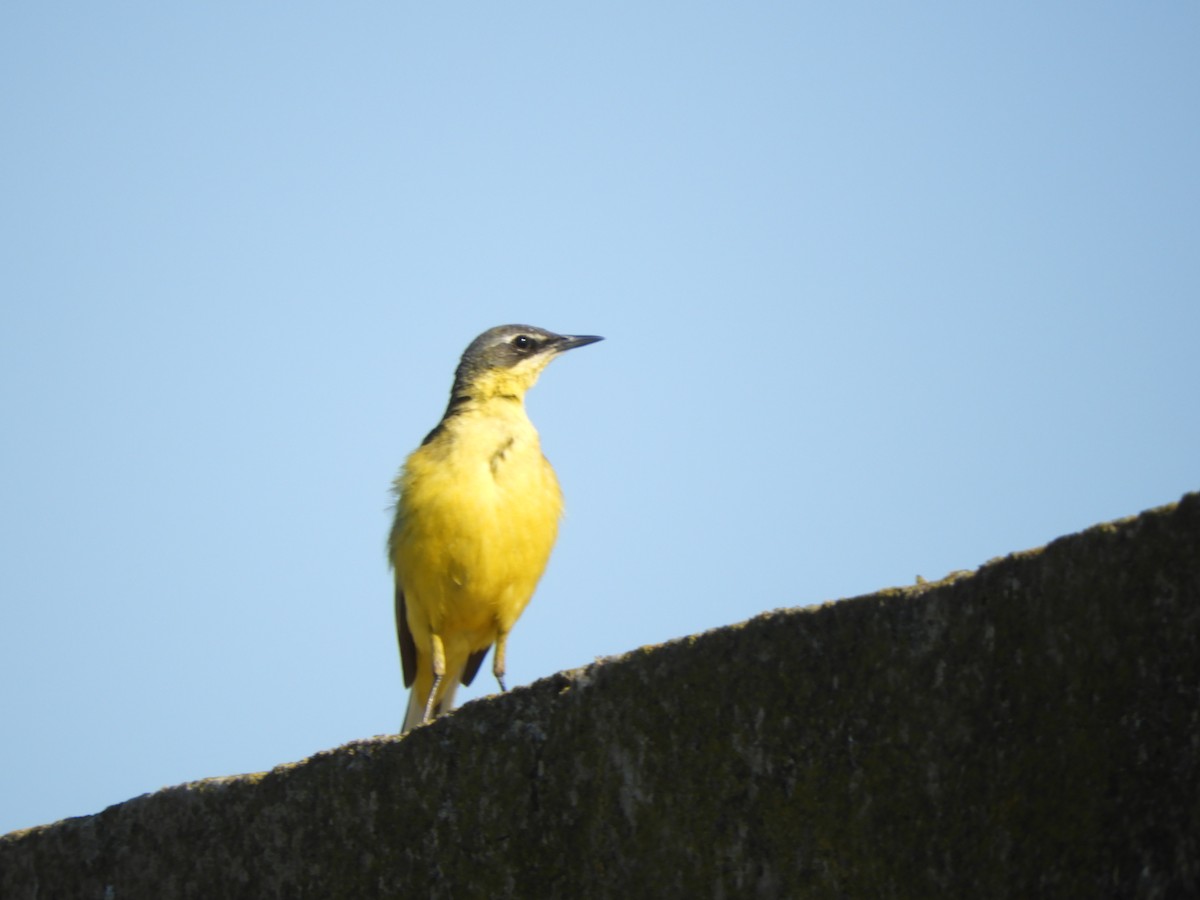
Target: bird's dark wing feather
(474,661)
(408,647)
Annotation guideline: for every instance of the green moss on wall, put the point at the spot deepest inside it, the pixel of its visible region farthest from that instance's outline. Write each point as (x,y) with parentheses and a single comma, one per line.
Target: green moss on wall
(1032,729)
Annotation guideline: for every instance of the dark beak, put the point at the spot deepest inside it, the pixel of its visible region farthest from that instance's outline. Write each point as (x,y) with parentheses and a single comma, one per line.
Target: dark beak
(571,341)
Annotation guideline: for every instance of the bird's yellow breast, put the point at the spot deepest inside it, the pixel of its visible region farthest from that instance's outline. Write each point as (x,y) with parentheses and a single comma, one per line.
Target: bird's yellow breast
(477,516)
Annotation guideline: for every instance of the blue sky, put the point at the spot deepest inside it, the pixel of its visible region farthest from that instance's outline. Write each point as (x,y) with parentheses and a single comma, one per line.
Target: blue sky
(888,290)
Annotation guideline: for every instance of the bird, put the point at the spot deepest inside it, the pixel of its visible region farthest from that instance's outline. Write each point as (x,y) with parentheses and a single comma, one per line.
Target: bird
(476,516)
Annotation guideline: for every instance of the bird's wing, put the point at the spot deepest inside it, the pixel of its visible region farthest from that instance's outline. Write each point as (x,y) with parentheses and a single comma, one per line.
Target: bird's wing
(408,647)
(474,661)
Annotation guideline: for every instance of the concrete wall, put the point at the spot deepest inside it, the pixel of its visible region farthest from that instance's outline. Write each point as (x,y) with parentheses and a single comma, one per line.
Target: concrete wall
(1029,730)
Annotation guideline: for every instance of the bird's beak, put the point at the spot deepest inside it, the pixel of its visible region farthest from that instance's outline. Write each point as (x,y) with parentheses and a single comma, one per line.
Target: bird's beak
(571,341)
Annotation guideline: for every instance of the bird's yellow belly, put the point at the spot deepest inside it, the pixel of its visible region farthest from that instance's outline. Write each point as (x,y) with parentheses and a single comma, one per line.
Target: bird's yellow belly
(475,539)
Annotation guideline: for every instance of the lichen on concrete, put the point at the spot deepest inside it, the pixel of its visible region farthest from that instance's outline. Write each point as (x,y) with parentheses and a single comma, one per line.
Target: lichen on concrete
(1028,730)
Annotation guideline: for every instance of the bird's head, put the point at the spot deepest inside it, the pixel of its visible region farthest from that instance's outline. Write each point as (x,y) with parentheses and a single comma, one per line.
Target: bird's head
(505,361)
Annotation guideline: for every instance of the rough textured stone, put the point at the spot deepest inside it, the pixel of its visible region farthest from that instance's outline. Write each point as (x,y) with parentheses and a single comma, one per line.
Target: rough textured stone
(1029,730)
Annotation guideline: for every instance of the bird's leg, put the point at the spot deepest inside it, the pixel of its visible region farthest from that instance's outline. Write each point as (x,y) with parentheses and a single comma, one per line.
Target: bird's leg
(498,659)
(439,672)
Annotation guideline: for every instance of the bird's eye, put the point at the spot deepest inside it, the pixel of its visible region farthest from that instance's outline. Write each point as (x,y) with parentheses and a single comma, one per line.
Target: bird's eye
(523,342)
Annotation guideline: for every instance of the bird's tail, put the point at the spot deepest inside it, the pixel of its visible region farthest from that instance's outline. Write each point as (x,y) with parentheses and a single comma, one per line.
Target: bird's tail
(415,714)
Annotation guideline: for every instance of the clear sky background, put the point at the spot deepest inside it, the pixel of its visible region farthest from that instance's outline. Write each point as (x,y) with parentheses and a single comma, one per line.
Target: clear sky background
(888,290)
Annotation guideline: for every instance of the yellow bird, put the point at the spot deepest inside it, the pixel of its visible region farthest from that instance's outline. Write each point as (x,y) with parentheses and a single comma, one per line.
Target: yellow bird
(477,509)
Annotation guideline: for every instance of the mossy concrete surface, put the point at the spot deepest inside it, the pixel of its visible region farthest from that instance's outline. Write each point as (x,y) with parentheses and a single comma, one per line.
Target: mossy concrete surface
(1028,730)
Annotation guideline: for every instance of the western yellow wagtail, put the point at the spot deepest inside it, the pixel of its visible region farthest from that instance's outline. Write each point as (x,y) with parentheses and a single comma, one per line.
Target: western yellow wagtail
(477,509)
